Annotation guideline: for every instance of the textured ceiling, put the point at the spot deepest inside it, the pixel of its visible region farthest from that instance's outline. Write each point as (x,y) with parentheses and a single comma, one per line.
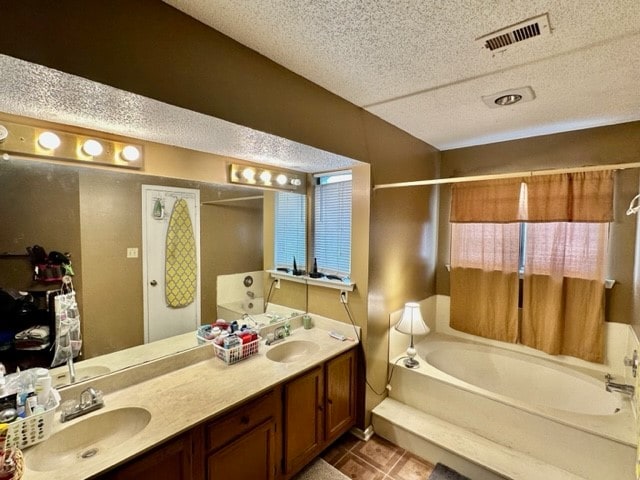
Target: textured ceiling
(416,64)
(36,91)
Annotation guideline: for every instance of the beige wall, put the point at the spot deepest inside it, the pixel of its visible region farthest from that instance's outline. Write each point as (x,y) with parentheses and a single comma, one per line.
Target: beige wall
(605,145)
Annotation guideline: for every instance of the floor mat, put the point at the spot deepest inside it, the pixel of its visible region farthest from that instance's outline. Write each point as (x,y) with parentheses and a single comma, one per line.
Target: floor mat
(320,470)
(442,472)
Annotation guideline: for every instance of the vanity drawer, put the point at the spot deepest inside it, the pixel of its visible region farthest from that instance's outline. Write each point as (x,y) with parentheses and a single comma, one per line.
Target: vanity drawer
(241,420)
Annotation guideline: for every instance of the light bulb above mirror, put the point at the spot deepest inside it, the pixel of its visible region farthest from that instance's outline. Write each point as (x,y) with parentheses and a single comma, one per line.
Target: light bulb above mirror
(267,177)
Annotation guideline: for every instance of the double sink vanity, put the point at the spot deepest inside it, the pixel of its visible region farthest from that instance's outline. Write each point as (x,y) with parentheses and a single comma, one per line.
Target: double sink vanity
(192,416)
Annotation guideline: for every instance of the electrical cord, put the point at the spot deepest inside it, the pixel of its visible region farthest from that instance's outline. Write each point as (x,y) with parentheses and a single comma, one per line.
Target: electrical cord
(273,282)
(364,355)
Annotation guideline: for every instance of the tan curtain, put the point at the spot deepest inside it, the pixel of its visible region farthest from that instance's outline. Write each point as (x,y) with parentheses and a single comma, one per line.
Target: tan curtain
(570,197)
(484,279)
(563,300)
(494,201)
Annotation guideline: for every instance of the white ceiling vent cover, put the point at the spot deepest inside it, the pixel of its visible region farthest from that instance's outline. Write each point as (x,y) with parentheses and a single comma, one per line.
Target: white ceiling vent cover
(531,28)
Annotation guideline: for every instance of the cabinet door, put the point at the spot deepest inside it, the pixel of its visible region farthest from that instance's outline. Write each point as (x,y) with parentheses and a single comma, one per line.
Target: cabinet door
(303,420)
(340,411)
(251,456)
(171,461)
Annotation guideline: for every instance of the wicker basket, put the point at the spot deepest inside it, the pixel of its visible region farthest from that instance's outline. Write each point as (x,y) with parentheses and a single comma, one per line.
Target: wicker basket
(18,459)
(235,354)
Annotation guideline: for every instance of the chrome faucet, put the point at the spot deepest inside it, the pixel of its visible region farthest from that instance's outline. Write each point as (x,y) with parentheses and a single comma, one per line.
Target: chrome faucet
(90,400)
(278,335)
(618,387)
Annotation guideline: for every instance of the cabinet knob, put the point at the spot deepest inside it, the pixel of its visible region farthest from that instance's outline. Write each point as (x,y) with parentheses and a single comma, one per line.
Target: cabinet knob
(244,420)
(153,283)
(320,407)
(329,401)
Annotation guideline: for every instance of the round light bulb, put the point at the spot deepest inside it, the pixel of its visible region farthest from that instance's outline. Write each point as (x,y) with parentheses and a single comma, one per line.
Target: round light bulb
(296,182)
(249,174)
(281,179)
(265,176)
(92,147)
(130,153)
(48,140)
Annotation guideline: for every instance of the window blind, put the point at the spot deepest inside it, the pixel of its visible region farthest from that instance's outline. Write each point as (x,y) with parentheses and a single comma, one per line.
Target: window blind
(290,230)
(332,218)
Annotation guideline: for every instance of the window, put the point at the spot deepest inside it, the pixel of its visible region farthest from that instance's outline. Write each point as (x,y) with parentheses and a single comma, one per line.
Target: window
(290,230)
(332,223)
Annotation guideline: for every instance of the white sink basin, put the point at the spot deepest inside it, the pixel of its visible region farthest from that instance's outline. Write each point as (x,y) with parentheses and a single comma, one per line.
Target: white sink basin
(82,373)
(87,438)
(292,351)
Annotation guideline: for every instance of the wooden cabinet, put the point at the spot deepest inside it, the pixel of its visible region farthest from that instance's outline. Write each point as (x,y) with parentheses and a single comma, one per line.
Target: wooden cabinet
(340,388)
(319,406)
(171,461)
(245,443)
(303,419)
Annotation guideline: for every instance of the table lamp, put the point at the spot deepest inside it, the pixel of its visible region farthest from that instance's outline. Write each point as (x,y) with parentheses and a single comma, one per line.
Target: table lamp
(412,324)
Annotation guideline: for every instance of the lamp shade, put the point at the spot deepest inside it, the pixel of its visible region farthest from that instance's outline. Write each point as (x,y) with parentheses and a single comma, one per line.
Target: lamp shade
(411,321)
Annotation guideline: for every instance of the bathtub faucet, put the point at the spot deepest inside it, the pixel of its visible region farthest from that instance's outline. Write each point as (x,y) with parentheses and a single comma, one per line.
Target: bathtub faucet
(617,387)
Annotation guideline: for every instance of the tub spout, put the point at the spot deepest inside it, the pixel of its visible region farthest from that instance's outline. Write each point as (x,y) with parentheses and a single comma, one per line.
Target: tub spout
(618,387)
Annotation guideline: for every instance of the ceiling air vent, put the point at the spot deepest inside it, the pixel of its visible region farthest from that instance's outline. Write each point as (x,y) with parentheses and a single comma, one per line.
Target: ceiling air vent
(501,39)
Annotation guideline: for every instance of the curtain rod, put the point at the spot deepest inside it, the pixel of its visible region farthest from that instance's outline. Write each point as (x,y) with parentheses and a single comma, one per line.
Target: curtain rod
(497,176)
(227,200)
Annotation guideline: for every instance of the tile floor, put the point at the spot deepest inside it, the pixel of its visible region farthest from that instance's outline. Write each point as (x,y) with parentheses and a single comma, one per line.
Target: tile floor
(376,459)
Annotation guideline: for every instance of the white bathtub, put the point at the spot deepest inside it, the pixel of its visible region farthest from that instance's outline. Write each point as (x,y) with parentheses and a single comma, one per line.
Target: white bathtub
(528,379)
(560,415)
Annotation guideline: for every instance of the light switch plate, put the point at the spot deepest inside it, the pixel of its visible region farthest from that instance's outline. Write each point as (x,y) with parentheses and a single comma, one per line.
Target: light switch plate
(132,252)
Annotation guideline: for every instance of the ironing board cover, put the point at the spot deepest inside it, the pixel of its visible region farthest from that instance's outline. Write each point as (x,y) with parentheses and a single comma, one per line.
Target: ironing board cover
(180,258)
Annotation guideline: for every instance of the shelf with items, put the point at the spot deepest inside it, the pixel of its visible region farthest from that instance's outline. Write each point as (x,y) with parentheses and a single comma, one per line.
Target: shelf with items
(346,285)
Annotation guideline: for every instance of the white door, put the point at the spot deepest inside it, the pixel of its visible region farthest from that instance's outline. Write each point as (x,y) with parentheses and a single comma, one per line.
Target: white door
(161,320)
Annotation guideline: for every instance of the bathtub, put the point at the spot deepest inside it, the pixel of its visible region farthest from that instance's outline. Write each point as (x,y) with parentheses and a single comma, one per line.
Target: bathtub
(526,379)
(558,414)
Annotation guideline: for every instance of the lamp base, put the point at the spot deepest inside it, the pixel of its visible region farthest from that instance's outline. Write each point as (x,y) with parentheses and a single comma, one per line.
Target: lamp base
(411,363)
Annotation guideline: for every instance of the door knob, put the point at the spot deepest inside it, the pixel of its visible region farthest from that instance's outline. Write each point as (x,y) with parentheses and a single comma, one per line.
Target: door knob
(153,283)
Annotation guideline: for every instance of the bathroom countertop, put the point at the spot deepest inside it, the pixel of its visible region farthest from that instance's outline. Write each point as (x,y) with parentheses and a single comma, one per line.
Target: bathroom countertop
(181,399)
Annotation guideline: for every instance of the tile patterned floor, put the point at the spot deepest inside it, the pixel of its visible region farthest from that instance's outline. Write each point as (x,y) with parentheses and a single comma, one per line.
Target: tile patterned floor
(376,459)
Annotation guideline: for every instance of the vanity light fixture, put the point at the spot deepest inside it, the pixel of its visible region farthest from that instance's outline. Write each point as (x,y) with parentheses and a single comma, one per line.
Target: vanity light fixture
(130,153)
(267,177)
(411,323)
(92,147)
(49,140)
(249,174)
(56,143)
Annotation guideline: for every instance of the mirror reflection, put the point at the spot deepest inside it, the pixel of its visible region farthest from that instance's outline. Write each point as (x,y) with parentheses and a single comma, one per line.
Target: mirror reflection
(96,218)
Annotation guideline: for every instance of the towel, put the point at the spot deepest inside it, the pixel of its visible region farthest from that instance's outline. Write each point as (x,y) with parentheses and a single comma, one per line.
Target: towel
(180,260)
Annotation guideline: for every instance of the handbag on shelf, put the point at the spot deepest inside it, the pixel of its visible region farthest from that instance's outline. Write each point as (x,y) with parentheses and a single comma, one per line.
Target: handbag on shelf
(68,341)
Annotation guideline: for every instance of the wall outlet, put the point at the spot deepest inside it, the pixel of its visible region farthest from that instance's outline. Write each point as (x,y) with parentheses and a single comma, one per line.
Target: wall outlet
(344,296)
(132,252)
(277,284)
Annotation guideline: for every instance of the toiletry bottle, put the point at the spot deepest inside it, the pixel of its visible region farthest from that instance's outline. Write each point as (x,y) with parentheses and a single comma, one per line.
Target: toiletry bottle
(30,401)
(43,385)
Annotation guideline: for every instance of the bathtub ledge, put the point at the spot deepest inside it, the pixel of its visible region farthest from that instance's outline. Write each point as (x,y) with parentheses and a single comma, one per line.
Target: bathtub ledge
(393,419)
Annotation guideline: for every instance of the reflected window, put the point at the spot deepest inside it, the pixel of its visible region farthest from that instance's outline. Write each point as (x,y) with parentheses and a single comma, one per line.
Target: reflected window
(332,223)
(290,230)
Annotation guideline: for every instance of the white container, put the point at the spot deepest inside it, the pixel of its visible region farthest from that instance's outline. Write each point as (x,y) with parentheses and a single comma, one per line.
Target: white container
(43,385)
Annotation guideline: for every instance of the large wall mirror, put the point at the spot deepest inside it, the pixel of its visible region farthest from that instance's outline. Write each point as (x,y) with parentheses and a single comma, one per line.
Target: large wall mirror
(96,216)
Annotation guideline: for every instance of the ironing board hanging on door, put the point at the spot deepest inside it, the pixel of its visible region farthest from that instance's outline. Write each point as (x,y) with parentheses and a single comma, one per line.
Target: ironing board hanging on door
(180,258)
